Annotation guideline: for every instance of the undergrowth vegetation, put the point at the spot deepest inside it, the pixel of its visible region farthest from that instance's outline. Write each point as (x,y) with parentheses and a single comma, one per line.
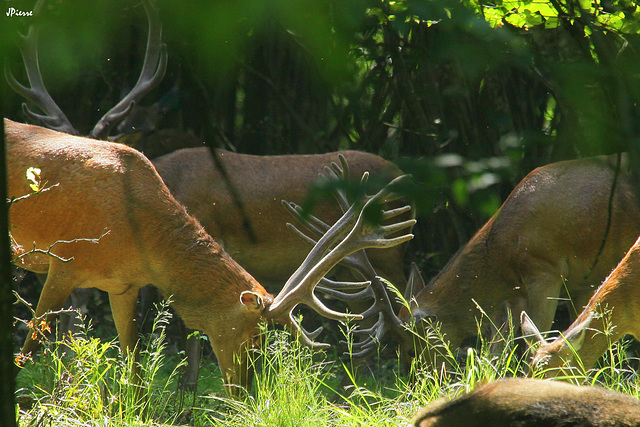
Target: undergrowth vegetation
(81,380)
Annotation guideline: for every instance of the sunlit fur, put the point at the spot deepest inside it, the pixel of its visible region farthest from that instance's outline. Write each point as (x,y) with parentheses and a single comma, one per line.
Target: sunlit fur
(546,236)
(612,312)
(98,187)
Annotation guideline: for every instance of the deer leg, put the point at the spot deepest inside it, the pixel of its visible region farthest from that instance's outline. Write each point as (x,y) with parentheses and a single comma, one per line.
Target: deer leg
(53,296)
(124,311)
(542,299)
(189,378)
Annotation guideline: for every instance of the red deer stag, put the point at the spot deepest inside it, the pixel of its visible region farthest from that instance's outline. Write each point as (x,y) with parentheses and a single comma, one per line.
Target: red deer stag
(611,313)
(528,403)
(559,233)
(111,223)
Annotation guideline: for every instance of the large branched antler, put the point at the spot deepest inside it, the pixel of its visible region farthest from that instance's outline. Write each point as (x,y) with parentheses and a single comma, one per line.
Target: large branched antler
(382,308)
(350,234)
(153,70)
(53,117)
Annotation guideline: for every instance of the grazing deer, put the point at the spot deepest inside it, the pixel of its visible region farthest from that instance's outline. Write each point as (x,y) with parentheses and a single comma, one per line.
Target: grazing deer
(559,233)
(611,313)
(529,402)
(111,223)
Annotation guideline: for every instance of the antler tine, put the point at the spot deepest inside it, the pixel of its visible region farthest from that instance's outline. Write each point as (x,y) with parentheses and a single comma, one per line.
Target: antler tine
(337,172)
(299,288)
(304,337)
(153,70)
(374,335)
(345,296)
(37,93)
(341,285)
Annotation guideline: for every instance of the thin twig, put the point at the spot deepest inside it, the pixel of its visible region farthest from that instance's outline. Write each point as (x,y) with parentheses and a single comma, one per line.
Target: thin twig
(49,250)
(26,196)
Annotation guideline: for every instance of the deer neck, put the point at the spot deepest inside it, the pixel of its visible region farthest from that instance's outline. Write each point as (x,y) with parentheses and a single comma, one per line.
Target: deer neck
(195,272)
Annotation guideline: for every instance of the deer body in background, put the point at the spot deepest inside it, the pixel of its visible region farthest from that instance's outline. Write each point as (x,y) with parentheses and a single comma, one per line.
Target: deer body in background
(261,182)
(529,402)
(612,312)
(558,235)
(108,221)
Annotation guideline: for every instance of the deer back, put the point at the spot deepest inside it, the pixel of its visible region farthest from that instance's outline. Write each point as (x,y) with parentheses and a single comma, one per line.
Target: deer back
(530,402)
(262,244)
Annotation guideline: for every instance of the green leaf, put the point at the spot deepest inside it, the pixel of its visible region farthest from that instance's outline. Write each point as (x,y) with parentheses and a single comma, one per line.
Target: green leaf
(35,179)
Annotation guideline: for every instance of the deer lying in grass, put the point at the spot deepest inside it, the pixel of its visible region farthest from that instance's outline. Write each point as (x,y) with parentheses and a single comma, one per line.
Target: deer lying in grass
(112,194)
(529,402)
(611,313)
(559,233)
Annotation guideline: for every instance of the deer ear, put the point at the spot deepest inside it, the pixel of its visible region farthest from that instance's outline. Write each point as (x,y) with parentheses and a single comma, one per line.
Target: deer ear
(529,329)
(252,301)
(575,337)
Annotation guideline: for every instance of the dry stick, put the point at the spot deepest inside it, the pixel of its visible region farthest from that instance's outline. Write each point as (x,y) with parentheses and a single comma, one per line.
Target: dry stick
(26,196)
(48,250)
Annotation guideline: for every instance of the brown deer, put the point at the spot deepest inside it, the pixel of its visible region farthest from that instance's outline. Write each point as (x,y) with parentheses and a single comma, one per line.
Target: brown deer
(111,223)
(236,197)
(559,233)
(530,402)
(610,314)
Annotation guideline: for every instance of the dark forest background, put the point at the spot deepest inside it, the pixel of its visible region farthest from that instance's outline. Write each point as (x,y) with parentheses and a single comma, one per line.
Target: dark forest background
(468,97)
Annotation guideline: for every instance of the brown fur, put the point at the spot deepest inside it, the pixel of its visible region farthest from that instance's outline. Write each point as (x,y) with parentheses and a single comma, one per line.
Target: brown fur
(614,309)
(546,235)
(529,402)
(197,183)
(107,187)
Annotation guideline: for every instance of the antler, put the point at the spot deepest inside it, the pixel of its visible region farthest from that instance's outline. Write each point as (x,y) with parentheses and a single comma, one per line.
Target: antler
(388,322)
(37,93)
(350,234)
(153,69)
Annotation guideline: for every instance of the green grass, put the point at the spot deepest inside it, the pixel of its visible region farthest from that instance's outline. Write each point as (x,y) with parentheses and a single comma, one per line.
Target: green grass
(293,387)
